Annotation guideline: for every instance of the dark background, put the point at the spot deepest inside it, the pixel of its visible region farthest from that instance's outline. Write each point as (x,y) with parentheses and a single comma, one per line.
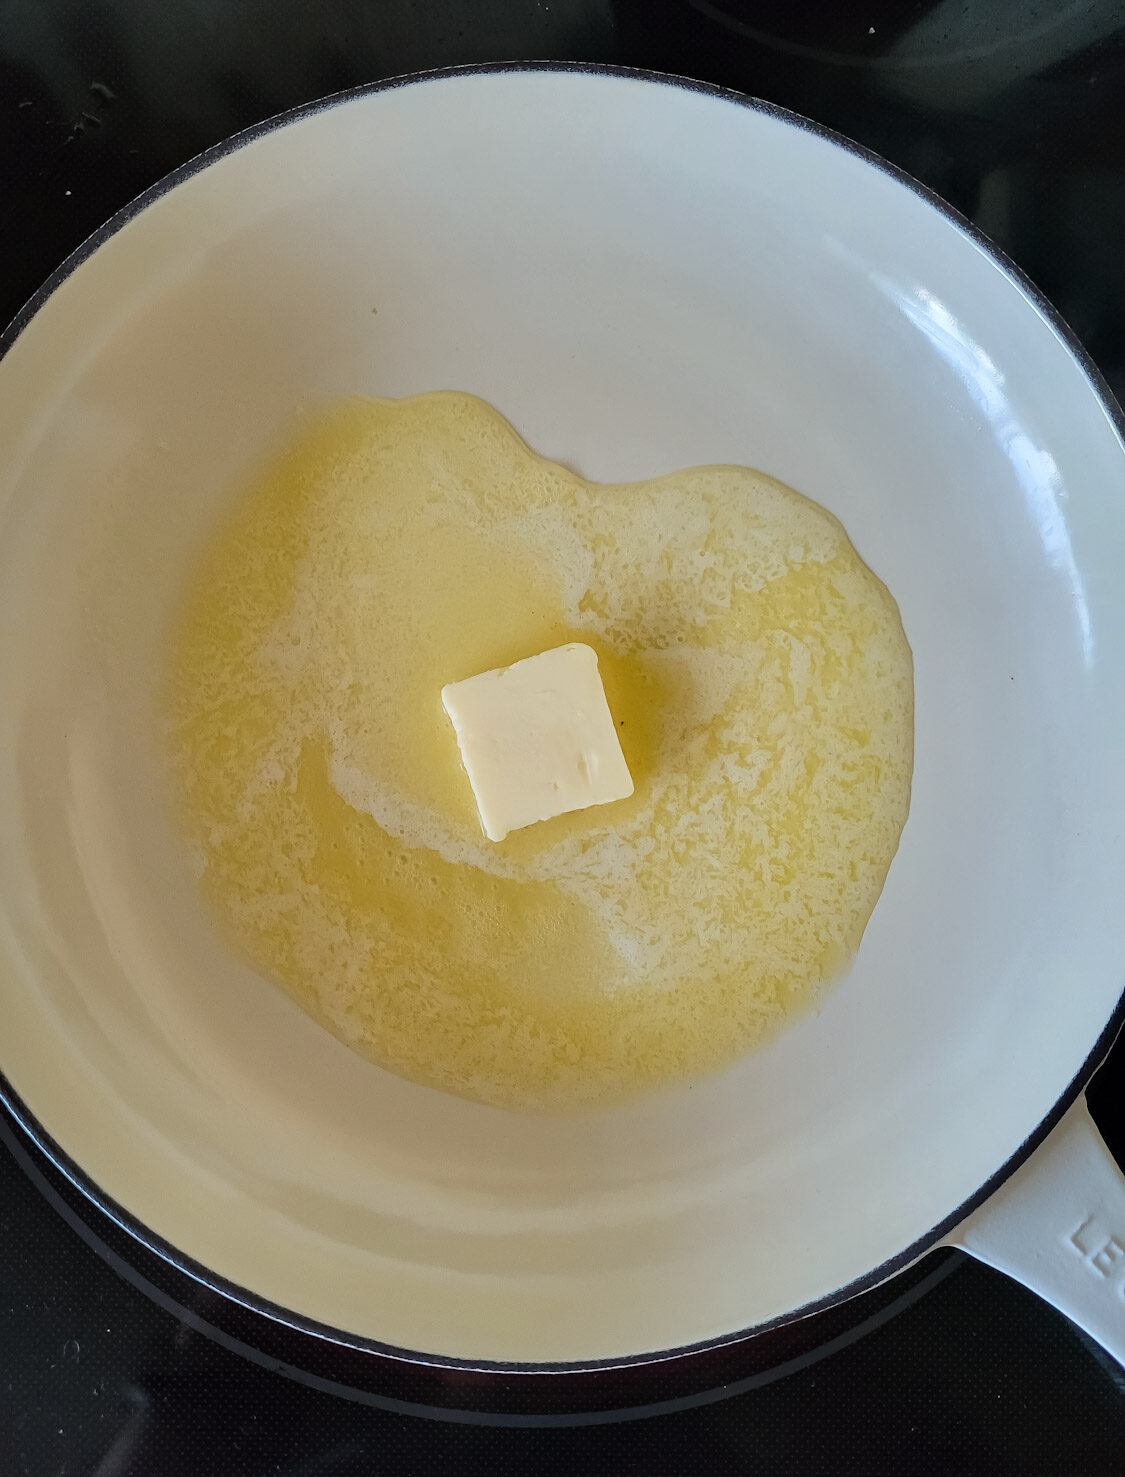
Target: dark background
(1015,112)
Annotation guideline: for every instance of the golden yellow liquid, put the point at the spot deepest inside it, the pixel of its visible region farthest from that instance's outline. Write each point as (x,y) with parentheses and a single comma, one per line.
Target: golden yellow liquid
(762,686)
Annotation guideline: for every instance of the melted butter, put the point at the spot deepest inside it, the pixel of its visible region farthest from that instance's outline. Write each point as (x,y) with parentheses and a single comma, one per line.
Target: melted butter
(763,689)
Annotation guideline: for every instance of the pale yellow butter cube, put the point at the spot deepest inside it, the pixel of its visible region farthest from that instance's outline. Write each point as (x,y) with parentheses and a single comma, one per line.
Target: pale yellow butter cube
(537,739)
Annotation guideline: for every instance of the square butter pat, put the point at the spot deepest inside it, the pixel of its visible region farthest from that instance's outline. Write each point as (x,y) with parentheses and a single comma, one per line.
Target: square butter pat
(537,739)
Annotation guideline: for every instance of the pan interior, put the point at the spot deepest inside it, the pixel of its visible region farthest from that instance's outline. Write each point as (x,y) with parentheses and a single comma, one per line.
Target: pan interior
(643,277)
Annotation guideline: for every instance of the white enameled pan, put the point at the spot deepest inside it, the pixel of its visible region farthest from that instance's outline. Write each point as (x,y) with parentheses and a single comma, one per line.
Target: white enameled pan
(641,274)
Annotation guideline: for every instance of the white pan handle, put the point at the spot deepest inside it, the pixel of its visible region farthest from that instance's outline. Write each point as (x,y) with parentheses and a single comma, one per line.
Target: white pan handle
(1058,1226)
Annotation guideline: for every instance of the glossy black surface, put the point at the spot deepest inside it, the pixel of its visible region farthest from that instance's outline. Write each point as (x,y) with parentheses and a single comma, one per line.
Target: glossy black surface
(1014,112)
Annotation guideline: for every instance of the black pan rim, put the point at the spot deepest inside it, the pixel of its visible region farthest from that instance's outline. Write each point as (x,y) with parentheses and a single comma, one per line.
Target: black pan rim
(20,1112)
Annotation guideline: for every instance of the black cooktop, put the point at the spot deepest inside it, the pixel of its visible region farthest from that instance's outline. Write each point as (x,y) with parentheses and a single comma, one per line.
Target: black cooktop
(114,1365)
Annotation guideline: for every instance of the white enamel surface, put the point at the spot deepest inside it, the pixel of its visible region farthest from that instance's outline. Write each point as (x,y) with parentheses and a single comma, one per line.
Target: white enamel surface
(640,277)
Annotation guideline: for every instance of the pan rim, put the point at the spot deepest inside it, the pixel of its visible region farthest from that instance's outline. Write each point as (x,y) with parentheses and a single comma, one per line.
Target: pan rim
(22,1114)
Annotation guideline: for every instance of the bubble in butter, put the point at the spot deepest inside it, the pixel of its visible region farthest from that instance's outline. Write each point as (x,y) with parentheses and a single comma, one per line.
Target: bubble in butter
(762,685)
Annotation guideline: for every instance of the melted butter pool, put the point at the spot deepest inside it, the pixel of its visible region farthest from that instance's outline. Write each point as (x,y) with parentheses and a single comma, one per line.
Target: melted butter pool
(763,689)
